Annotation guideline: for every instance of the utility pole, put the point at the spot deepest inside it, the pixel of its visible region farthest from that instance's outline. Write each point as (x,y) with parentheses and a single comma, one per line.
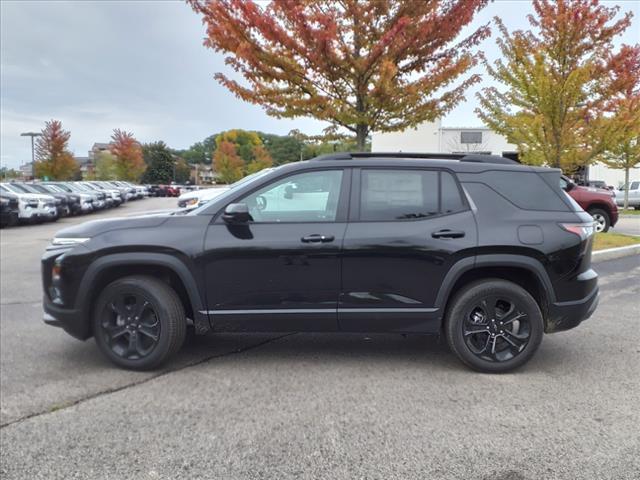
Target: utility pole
(33,155)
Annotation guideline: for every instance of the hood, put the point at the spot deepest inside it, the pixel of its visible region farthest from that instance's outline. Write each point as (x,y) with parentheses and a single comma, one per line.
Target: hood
(596,191)
(96,227)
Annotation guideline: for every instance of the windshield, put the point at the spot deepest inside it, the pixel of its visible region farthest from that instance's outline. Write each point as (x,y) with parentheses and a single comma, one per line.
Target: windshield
(63,187)
(20,188)
(39,189)
(53,188)
(244,181)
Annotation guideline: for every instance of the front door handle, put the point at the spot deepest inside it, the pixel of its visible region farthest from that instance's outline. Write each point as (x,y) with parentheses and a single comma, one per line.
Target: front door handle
(446,233)
(317,238)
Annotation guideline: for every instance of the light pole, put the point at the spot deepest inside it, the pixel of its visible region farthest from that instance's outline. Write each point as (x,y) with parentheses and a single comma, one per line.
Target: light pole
(33,155)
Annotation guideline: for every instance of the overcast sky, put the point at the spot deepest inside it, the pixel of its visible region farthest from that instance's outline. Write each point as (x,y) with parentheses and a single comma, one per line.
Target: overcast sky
(141,66)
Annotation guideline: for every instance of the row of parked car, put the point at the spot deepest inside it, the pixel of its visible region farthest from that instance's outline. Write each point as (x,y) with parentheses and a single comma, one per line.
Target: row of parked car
(23,203)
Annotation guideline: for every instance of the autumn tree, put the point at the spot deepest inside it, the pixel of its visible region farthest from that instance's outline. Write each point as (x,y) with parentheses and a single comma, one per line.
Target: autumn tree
(54,160)
(244,141)
(621,131)
(106,166)
(551,103)
(379,65)
(227,164)
(130,163)
(261,159)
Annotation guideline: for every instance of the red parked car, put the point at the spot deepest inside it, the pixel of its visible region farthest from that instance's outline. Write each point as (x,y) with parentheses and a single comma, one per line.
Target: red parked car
(597,202)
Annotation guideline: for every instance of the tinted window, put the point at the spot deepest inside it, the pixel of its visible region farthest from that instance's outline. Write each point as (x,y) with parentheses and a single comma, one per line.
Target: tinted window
(398,194)
(306,197)
(526,190)
(451,198)
(634,185)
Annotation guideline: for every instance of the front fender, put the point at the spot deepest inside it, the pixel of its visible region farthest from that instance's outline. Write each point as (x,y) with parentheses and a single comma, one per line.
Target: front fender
(100,265)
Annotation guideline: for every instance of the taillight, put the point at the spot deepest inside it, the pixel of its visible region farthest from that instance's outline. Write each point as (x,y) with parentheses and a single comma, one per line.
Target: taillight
(583,230)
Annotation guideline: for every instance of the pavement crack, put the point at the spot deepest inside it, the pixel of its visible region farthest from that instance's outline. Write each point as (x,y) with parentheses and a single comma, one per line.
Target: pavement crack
(22,302)
(72,403)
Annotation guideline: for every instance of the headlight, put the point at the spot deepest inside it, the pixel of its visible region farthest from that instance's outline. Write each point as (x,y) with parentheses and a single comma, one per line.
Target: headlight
(61,241)
(192,201)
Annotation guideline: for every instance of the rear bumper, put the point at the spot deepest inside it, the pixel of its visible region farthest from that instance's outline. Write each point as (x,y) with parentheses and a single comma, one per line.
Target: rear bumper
(566,315)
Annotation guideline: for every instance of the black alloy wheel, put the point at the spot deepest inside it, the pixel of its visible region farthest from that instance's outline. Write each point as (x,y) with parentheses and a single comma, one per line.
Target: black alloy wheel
(139,322)
(494,325)
(130,326)
(496,328)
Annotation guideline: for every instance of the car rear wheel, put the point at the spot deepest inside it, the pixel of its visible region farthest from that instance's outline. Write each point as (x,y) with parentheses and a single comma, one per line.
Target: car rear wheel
(139,322)
(601,218)
(494,326)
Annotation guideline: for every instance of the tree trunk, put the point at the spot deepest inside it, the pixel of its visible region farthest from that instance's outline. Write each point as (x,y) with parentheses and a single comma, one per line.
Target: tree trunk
(361,135)
(626,188)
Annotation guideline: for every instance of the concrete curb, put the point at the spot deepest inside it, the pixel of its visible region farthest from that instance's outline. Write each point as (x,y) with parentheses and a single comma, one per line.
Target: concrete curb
(612,253)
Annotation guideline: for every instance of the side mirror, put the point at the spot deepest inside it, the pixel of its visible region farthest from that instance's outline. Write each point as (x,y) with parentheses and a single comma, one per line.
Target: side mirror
(236,213)
(568,184)
(288,192)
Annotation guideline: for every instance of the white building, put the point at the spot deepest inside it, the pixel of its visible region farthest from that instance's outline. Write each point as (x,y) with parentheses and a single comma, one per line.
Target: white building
(434,138)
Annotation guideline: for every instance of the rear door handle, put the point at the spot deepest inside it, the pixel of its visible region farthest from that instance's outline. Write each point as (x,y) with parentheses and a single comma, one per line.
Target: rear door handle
(446,233)
(317,238)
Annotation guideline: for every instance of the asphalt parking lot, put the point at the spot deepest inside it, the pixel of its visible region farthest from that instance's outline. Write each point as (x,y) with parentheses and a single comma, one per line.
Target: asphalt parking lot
(314,406)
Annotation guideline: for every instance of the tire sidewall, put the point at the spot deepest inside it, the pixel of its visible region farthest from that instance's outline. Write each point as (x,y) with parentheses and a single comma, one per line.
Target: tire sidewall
(607,218)
(159,306)
(471,295)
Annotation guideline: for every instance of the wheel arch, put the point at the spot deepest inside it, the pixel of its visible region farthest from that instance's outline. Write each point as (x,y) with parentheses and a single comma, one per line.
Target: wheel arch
(600,206)
(105,270)
(524,271)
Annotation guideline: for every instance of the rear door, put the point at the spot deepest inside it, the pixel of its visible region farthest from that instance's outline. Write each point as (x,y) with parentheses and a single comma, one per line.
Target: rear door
(407,227)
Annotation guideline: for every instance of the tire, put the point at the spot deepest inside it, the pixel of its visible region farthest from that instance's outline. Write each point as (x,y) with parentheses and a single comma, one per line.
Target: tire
(602,218)
(517,329)
(139,322)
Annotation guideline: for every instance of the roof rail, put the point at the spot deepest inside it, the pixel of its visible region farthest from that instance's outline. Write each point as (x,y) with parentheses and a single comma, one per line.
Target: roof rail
(462,157)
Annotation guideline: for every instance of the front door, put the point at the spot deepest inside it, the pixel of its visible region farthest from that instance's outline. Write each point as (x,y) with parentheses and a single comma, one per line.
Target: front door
(280,271)
(407,227)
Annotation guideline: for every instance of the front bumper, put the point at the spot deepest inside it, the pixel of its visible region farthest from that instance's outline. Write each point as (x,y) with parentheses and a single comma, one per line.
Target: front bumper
(566,315)
(71,320)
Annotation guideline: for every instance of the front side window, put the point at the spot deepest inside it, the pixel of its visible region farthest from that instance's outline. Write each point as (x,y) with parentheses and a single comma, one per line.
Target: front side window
(407,194)
(305,197)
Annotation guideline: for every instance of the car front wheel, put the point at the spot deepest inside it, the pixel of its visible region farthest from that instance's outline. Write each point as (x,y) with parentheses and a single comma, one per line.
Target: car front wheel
(602,221)
(139,322)
(494,326)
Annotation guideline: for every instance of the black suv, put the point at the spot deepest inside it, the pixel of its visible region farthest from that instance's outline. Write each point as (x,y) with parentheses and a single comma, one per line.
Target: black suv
(488,252)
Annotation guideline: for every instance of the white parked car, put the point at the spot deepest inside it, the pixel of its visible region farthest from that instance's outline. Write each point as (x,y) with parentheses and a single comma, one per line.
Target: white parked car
(200,197)
(634,195)
(32,207)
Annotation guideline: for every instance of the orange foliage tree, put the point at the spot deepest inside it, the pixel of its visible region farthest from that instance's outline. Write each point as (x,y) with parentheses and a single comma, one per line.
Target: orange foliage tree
(552,94)
(261,159)
(364,66)
(228,165)
(128,152)
(54,160)
(622,128)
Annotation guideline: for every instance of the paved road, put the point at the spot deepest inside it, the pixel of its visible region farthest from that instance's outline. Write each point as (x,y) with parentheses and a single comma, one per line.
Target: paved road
(628,224)
(315,406)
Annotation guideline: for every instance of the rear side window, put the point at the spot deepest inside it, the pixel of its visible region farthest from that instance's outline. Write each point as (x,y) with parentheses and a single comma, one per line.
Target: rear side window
(407,194)
(526,190)
(451,199)
(634,186)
